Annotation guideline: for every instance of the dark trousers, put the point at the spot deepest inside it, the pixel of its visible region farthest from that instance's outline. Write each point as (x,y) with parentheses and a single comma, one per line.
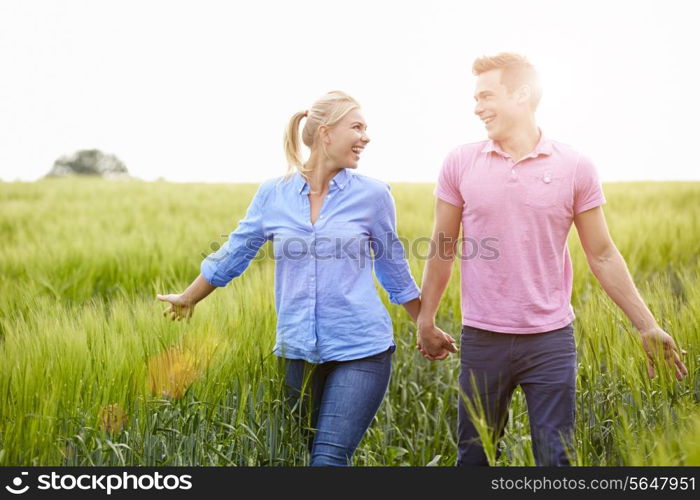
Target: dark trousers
(543,365)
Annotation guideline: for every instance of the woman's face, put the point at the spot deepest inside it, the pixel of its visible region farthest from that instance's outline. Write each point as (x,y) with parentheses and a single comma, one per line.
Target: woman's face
(346,140)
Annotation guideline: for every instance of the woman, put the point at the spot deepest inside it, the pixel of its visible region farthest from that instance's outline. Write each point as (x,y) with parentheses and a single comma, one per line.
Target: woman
(323,219)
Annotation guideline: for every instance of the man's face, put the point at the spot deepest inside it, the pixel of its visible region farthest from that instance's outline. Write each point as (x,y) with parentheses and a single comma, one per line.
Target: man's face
(495,106)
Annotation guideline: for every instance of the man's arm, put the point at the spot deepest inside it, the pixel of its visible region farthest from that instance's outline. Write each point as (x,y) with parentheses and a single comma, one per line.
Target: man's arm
(433,343)
(609,267)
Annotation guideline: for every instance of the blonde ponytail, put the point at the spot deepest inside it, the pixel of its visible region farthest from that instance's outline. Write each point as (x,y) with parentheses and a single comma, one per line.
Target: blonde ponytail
(292,145)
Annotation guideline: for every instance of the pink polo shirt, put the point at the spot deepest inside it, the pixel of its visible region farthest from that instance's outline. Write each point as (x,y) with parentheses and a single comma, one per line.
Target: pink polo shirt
(516,269)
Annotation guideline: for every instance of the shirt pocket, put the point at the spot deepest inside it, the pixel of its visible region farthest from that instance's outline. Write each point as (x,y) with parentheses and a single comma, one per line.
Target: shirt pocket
(544,190)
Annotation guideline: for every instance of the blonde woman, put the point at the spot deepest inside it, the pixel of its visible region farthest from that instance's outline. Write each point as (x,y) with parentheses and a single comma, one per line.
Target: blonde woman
(323,219)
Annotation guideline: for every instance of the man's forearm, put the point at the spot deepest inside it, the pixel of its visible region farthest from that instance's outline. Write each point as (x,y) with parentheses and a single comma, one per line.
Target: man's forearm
(199,289)
(613,275)
(436,276)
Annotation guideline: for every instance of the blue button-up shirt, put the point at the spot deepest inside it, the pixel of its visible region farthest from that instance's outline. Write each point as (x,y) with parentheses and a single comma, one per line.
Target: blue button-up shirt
(327,305)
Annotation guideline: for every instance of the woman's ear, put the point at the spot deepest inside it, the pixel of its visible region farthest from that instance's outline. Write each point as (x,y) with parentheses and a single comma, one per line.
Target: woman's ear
(324,134)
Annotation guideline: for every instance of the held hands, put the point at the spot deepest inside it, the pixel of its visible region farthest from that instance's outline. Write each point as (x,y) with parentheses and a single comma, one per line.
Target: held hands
(656,343)
(433,343)
(179,306)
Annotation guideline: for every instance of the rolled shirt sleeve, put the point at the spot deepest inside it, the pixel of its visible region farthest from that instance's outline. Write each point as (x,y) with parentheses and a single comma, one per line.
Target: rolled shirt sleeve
(220,267)
(390,264)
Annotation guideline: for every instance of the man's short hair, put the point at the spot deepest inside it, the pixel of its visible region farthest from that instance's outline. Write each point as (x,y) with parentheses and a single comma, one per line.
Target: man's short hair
(517,71)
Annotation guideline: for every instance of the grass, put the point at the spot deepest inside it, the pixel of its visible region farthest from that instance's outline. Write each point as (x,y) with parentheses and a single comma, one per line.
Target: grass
(92,374)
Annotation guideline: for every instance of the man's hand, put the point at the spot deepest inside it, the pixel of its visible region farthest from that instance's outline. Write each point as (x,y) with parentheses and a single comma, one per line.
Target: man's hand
(609,267)
(433,343)
(656,343)
(179,306)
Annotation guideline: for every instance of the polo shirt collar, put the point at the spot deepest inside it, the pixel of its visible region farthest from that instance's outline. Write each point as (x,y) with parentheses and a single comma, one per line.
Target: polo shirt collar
(543,147)
(340,180)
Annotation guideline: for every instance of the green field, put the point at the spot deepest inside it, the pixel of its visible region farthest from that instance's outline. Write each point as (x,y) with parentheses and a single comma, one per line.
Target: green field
(92,374)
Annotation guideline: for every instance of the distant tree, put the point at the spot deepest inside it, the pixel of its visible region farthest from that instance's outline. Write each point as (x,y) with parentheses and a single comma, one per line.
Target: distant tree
(89,162)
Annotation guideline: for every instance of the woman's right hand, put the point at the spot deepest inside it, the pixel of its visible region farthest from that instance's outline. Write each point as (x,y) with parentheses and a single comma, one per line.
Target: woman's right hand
(179,308)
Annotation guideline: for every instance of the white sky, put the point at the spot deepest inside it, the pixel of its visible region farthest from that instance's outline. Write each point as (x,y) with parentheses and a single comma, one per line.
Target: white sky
(202,91)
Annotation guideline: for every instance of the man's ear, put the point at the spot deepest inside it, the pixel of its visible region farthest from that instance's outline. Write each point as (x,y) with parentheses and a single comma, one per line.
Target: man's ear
(523,94)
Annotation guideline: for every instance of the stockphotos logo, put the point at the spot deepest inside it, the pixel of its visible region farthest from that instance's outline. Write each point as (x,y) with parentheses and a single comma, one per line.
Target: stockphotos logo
(17,483)
(104,482)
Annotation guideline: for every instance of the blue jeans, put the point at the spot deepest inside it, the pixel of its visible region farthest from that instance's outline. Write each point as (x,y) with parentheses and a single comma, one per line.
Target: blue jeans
(543,365)
(345,397)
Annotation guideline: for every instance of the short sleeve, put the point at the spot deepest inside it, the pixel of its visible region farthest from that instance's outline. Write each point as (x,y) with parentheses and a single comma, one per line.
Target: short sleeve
(448,184)
(588,192)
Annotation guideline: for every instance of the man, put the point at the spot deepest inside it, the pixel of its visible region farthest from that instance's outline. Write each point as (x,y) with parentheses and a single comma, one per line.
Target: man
(516,196)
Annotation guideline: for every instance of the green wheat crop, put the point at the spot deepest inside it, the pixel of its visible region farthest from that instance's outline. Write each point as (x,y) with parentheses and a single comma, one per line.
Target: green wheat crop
(91,373)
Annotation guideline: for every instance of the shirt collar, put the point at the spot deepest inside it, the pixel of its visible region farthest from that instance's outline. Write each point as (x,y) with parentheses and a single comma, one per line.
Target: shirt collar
(340,180)
(544,147)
